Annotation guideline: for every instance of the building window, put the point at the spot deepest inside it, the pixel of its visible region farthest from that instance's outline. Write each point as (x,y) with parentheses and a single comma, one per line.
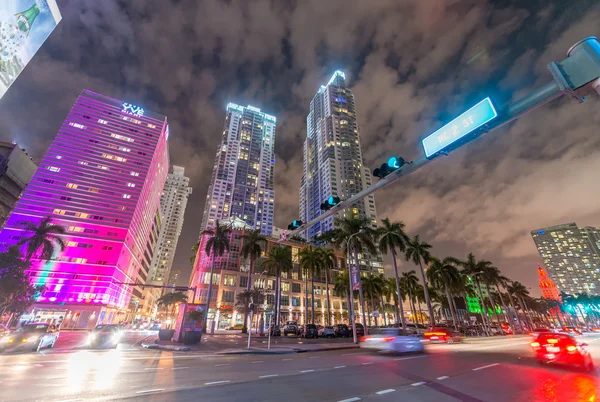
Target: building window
(243,281)
(102,121)
(71,185)
(285,286)
(296,301)
(53,168)
(59,212)
(77,125)
(229,280)
(285,300)
(228,296)
(296,288)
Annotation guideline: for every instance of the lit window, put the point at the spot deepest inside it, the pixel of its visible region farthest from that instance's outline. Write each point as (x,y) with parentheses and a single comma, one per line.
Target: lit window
(58,157)
(134,173)
(71,185)
(130,184)
(113,157)
(53,169)
(75,229)
(126,196)
(77,125)
(103,167)
(81,215)
(83,163)
(72,244)
(102,121)
(122,137)
(59,211)
(151,126)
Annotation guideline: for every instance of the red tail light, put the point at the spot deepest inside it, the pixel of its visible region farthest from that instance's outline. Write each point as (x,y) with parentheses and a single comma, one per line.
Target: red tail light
(535,344)
(388,339)
(363,338)
(435,334)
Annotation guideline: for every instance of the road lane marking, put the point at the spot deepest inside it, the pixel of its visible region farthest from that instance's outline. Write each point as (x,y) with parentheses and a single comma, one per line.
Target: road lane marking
(286,360)
(224,364)
(385,391)
(307,371)
(150,390)
(216,382)
(154,368)
(258,361)
(409,358)
(352,354)
(367,363)
(443,377)
(180,368)
(337,367)
(484,367)
(350,400)
(314,357)
(416,384)
(269,375)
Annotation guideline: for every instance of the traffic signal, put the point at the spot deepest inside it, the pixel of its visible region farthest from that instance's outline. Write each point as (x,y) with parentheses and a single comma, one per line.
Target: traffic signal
(330,203)
(394,163)
(294,225)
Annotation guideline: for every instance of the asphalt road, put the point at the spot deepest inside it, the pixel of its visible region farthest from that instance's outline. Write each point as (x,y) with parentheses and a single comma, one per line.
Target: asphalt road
(498,369)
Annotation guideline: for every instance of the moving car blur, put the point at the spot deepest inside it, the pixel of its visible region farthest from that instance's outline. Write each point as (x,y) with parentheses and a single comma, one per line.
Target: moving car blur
(34,337)
(105,336)
(446,335)
(392,340)
(562,348)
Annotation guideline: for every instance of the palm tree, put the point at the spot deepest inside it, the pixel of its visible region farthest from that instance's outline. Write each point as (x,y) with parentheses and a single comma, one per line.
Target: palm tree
(311,261)
(252,241)
(444,275)
(472,269)
(44,236)
(255,296)
(341,288)
(391,293)
(391,236)
(328,260)
(278,260)
(194,250)
(171,299)
(418,252)
(354,233)
(506,282)
(521,293)
(215,246)
(410,284)
(373,286)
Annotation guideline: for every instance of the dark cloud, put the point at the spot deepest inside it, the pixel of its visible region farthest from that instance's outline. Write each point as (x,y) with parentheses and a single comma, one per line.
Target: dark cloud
(412,65)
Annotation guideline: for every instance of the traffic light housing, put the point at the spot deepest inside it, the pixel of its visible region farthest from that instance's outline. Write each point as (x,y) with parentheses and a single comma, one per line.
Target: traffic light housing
(295,225)
(394,163)
(330,203)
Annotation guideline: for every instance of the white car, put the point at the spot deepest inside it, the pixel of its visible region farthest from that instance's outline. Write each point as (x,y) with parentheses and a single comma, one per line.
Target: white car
(392,340)
(327,332)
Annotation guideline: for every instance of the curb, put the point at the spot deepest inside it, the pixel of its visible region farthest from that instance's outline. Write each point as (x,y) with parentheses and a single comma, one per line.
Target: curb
(166,347)
(282,352)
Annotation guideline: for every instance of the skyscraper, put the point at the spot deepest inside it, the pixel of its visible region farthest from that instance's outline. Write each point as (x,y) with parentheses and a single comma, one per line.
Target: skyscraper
(101,179)
(242,180)
(16,170)
(571,256)
(333,162)
(173,201)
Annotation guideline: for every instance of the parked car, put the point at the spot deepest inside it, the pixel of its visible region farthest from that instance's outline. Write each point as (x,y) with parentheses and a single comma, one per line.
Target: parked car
(392,340)
(360,329)
(572,330)
(496,330)
(310,331)
(291,327)
(341,330)
(105,336)
(446,335)
(416,329)
(33,336)
(562,349)
(327,331)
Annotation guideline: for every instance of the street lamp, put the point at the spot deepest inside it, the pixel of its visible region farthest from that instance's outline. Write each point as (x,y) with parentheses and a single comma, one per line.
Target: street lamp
(351,297)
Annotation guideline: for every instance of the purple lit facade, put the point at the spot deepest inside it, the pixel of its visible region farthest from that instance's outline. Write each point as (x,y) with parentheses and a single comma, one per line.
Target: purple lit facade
(101,179)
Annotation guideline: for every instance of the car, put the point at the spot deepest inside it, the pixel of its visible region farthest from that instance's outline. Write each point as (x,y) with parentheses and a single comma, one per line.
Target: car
(327,331)
(562,349)
(416,329)
(4,331)
(540,330)
(360,329)
(572,330)
(392,340)
(105,336)
(446,335)
(33,336)
(496,330)
(310,331)
(507,329)
(155,326)
(291,327)
(341,330)
(275,330)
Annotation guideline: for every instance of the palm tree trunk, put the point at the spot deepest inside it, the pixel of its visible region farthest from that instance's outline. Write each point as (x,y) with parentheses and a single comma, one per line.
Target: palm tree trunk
(505,310)
(246,310)
(483,312)
(512,303)
(401,313)
(421,312)
(210,281)
(426,291)
(383,312)
(360,290)
(327,294)
(373,306)
(412,305)
(489,293)
(305,272)
(277,291)
(450,306)
(312,289)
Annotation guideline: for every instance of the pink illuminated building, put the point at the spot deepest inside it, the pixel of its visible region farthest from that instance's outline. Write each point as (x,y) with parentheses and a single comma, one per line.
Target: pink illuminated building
(101,179)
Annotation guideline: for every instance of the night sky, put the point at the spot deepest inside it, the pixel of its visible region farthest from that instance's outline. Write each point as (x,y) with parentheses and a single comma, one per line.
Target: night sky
(413,65)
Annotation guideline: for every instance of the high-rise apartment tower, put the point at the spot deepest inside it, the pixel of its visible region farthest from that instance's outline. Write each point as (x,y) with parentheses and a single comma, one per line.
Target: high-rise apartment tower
(242,180)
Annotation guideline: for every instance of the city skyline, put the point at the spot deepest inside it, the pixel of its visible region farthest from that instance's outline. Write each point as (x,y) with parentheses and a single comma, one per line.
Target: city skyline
(101,181)
(483,199)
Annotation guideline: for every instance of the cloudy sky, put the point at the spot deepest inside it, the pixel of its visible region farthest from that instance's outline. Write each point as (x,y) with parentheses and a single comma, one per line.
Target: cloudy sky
(412,65)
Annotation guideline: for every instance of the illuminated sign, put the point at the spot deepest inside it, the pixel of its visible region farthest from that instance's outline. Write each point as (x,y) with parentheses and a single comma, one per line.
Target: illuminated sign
(472,119)
(254,109)
(132,109)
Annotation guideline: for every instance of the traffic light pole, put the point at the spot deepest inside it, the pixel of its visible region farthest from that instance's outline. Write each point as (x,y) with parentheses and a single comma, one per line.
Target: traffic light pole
(577,76)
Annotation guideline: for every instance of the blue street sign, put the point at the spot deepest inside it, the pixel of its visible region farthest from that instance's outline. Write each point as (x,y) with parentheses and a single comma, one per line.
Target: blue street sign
(472,119)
